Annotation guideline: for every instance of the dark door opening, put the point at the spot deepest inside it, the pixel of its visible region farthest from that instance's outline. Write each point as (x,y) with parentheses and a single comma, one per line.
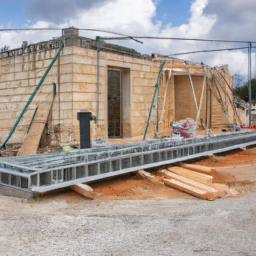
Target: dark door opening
(114,103)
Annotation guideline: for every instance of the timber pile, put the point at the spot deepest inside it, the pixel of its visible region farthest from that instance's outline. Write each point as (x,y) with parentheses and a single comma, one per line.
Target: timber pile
(198,181)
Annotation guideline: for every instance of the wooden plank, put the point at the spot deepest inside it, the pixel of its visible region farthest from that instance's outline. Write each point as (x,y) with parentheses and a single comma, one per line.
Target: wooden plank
(33,137)
(83,190)
(210,188)
(189,182)
(202,194)
(198,168)
(218,177)
(203,178)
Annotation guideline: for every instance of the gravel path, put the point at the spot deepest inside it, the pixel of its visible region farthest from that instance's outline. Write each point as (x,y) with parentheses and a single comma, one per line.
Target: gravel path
(166,227)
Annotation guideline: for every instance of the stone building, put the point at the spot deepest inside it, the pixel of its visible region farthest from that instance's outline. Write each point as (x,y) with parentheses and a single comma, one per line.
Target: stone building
(126,86)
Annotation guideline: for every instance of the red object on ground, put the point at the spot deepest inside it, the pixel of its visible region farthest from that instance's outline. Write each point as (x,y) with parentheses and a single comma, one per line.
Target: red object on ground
(252,127)
(183,133)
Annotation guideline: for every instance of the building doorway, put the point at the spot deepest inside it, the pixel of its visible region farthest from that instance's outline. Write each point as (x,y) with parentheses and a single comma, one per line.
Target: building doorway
(119,103)
(114,103)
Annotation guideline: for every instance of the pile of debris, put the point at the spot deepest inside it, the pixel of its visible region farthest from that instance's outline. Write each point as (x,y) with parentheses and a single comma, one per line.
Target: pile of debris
(184,128)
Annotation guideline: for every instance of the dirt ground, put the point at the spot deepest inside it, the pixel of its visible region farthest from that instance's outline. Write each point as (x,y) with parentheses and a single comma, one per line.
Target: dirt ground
(129,227)
(135,216)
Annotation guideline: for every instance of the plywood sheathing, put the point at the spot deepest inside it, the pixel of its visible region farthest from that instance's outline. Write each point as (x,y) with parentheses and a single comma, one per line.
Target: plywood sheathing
(31,142)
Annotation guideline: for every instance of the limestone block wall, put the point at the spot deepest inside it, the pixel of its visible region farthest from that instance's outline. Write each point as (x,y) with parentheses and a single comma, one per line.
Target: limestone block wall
(143,77)
(19,76)
(76,77)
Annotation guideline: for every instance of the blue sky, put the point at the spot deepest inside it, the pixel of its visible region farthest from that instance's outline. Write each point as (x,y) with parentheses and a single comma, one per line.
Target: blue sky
(15,12)
(174,11)
(209,19)
(12,13)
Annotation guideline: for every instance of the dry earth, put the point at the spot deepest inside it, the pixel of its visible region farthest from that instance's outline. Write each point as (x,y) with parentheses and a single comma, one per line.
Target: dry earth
(132,216)
(129,227)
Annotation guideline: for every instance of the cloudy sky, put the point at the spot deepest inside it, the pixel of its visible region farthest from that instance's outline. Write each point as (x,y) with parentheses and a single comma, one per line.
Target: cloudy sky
(207,19)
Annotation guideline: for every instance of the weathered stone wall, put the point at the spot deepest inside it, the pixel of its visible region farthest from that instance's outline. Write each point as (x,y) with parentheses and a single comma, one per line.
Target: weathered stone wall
(143,77)
(19,76)
(77,71)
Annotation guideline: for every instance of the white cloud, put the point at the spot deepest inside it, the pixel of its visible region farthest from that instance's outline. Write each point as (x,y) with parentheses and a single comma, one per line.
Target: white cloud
(136,18)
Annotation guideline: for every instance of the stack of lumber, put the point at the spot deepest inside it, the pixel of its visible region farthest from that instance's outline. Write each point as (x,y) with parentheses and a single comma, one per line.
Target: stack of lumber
(196,180)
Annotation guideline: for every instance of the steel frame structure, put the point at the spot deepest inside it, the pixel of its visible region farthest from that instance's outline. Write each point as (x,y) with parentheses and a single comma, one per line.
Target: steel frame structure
(45,172)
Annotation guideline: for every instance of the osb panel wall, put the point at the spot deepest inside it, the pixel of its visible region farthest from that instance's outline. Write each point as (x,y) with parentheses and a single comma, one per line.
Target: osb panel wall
(19,76)
(185,105)
(166,114)
(219,117)
(184,100)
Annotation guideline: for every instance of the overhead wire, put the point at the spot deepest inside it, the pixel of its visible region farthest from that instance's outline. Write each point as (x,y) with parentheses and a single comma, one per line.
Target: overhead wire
(124,37)
(212,50)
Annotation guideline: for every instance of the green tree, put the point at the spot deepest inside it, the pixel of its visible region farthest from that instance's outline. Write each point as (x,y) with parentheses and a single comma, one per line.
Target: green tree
(243,91)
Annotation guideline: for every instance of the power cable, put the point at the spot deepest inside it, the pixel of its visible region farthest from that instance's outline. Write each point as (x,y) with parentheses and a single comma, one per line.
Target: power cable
(178,38)
(213,50)
(132,37)
(84,29)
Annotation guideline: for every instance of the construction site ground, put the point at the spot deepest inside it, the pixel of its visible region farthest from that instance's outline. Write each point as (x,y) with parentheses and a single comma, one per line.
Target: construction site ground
(132,215)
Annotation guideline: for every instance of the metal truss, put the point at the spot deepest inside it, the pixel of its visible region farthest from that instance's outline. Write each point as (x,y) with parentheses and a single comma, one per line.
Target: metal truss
(45,172)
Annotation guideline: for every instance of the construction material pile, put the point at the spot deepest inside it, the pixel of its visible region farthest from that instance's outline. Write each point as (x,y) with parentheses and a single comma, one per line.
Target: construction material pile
(199,181)
(184,128)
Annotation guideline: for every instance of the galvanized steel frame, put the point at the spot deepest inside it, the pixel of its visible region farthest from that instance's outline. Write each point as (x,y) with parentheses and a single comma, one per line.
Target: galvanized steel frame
(108,163)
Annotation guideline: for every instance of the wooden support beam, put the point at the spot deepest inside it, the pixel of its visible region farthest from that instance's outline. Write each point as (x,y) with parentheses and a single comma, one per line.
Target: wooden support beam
(202,194)
(202,178)
(83,190)
(187,181)
(183,66)
(196,184)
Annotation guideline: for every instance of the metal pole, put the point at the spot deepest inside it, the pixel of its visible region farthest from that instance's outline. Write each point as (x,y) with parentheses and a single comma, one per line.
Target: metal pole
(210,121)
(98,78)
(207,99)
(157,126)
(255,61)
(250,82)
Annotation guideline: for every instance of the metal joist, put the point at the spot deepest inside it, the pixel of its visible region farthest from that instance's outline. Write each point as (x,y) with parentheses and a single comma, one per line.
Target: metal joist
(98,165)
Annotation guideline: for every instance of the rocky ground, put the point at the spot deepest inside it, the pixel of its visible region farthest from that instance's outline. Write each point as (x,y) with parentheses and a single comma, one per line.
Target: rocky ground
(132,216)
(129,227)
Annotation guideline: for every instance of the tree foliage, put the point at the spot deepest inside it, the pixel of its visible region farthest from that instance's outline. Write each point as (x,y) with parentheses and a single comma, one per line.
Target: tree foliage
(243,91)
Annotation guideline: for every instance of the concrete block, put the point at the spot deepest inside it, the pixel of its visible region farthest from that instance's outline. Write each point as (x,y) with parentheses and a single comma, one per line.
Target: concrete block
(65,78)
(82,60)
(66,69)
(84,96)
(66,96)
(66,51)
(80,51)
(68,59)
(7,77)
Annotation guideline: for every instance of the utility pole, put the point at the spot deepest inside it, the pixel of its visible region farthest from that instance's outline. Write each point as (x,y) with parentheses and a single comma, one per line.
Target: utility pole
(250,82)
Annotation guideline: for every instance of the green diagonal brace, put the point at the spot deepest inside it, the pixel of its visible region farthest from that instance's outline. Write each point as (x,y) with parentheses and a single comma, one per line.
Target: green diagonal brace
(32,95)
(156,88)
